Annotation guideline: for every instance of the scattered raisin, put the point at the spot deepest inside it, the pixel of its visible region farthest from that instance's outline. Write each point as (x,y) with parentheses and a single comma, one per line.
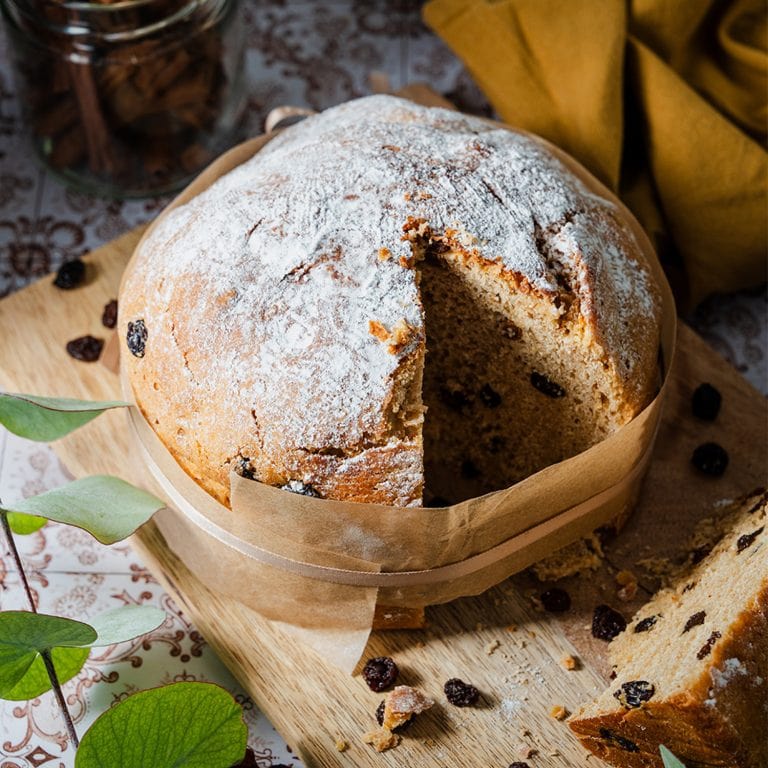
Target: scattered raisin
(455,399)
(705,402)
(85,348)
(646,624)
(706,649)
(694,621)
(469,469)
(380,719)
(459,693)
(136,337)
(556,600)
(379,673)
(70,274)
(634,693)
(109,315)
(711,459)
(546,386)
(607,623)
(490,397)
(303,489)
(625,744)
(748,539)
(518,764)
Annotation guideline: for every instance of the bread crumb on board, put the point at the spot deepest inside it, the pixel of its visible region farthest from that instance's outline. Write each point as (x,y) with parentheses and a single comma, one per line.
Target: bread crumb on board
(559,712)
(381,739)
(569,662)
(342,745)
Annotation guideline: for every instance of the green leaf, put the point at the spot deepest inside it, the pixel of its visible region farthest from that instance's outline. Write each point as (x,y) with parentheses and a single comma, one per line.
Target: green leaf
(48,418)
(185,725)
(108,508)
(24,524)
(66,661)
(23,635)
(125,623)
(669,760)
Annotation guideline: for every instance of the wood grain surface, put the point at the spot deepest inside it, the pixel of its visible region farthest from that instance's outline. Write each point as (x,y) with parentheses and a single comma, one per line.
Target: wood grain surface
(497,641)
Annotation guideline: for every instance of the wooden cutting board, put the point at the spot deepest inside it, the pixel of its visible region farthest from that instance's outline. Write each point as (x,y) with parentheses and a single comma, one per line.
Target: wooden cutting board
(498,641)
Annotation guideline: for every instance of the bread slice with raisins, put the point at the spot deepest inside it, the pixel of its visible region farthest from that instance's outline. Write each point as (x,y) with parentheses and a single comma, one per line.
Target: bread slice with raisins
(692,666)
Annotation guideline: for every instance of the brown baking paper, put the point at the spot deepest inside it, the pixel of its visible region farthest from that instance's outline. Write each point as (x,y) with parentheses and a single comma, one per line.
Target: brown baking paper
(319,567)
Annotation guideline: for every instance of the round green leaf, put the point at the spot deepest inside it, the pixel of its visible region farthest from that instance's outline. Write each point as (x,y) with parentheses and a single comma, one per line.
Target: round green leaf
(125,623)
(23,635)
(185,725)
(66,661)
(48,418)
(107,507)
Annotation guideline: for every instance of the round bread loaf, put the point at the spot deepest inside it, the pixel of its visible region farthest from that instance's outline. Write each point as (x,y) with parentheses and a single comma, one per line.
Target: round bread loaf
(390,303)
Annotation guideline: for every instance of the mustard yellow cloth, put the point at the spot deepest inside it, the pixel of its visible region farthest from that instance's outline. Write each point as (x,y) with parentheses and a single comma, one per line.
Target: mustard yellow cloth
(666,101)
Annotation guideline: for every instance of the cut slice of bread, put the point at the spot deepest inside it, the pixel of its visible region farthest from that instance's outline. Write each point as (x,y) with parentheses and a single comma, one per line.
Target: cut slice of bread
(692,666)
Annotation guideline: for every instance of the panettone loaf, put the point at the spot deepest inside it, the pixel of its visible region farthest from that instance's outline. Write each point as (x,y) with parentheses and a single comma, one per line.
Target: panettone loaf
(692,666)
(373,264)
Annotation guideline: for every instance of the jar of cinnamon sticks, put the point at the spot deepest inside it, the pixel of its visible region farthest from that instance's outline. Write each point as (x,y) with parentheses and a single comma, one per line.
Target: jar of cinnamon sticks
(128,97)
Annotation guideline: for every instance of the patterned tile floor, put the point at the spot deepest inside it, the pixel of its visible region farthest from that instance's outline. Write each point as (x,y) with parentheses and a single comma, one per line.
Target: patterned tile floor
(299,52)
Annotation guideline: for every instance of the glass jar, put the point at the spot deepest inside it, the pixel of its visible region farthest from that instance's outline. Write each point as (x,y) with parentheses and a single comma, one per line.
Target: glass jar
(130,97)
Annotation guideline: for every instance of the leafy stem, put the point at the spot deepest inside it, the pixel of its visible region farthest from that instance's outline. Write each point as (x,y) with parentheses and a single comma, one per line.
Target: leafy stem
(46,654)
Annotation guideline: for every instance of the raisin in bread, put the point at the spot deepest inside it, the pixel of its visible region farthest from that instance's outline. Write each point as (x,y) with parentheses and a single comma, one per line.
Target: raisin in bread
(376,263)
(692,666)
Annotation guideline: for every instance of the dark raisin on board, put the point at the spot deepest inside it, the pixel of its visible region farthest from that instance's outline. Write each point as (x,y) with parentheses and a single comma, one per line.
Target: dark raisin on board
(303,489)
(136,337)
(748,539)
(518,764)
(620,741)
(70,274)
(694,621)
(380,719)
(634,693)
(85,348)
(109,315)
(607,623)
(469,469)
(556,600)
(459,693)
(646,624)
(380,673)
(706,649)
(546,386)
(711,459)
(705,402)
(489,397)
